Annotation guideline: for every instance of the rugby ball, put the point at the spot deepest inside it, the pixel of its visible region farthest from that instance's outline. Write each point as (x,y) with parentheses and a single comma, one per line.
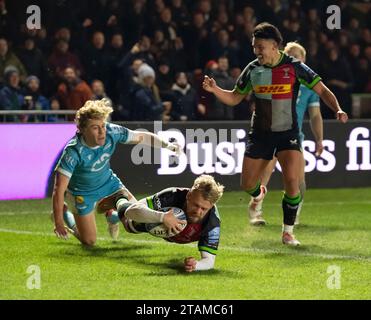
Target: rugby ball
(159,229)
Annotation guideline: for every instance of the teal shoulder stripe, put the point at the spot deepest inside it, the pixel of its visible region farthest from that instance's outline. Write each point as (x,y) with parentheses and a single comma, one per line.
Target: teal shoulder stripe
(207,249)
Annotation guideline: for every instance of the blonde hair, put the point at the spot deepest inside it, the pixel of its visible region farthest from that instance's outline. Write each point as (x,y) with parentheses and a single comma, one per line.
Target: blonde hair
(209,188)
(295,45)
(98,109)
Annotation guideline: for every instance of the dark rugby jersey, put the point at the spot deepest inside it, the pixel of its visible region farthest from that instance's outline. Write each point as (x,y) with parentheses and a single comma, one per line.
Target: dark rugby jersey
(276,90)
(207,233)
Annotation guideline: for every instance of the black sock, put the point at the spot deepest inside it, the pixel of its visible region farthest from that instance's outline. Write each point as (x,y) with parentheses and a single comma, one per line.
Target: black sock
(290,207)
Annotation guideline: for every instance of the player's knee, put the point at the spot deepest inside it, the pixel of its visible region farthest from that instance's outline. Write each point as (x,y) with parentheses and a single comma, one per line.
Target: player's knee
(89,242)
(247,185)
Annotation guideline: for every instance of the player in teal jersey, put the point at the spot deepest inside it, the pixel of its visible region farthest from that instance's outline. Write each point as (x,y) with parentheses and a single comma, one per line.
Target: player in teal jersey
(83,174)
(274,78)
(307,100)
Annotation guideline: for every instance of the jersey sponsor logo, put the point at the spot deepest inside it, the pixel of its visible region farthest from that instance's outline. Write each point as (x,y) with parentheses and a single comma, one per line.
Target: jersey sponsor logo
(69,160)
(101,163)
(294,142)
(273,88)
(79,199)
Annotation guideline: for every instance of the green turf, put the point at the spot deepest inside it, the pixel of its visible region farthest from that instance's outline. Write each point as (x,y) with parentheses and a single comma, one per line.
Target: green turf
(251,262)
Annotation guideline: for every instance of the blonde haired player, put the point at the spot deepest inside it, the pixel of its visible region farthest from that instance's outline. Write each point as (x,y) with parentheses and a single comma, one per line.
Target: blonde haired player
(199,206)
(83,175)
(307,100)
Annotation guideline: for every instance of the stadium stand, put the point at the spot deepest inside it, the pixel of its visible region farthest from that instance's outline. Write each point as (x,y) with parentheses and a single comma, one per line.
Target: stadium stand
(107,41)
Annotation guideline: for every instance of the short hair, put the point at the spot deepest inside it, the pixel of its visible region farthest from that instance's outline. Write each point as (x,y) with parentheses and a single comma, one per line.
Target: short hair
(295,45)
(266,30)
(93,110)
(210,190)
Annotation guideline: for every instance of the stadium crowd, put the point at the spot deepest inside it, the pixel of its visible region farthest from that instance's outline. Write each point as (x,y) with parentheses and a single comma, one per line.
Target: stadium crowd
(149,57)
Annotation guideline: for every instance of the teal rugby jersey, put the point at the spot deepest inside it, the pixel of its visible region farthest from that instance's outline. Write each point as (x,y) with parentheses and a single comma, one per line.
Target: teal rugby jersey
(89,168)
(276,90)
(306,99)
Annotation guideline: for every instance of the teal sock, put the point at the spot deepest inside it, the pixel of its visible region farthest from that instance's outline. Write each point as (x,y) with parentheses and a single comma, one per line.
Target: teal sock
(112,217)
(69,219)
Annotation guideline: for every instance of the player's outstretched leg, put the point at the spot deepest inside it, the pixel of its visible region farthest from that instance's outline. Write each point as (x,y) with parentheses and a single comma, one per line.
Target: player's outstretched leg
(110,202)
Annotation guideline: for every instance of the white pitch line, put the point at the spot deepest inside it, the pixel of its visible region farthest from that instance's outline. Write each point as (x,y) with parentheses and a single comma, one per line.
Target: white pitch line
(234,248)
(242,205)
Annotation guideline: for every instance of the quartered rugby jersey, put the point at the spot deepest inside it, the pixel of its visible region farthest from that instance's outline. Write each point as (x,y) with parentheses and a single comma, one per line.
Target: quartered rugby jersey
(276,90)
(206,233)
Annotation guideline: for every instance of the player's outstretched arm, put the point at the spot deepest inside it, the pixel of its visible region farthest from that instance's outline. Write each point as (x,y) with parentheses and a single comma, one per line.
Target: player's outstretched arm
(316,125)
(139,212)
(206,263)
(229,97)
(153,140)
(329,98)
(60,187)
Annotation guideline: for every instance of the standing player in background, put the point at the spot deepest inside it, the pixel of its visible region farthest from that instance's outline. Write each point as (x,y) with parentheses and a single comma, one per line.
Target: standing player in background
(307,100)
(199,205)
(84,176)
(274,78)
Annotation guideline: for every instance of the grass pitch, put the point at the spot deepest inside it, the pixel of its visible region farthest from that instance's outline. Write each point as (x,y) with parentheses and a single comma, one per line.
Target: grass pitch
(252,263)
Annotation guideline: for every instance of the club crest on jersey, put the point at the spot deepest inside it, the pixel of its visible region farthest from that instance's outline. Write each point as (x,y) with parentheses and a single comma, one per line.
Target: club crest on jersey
(99,164)
(273,89)
(79,199)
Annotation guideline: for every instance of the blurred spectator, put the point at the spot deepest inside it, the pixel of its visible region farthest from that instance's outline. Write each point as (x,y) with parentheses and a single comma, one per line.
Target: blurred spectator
(358,67)
(115,51)
(146,102)
(362,80)
(339,80)
(312,59)
(185,99)
(34,100)
(367,53)
(55,106)
(97,60)
(8,25)
(34,61)
(160,46)
(128,79)
(62,58)
(134,21)
(180,13)
(99,91)
(196,41)
(205,98)
(8,58)
(167,25)
(217,110)
(221,47)
(11,97)
(165,79)
(73,92)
